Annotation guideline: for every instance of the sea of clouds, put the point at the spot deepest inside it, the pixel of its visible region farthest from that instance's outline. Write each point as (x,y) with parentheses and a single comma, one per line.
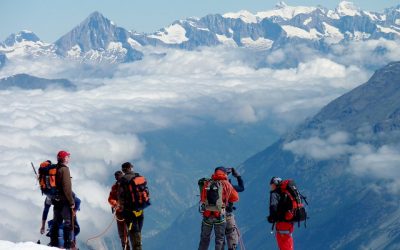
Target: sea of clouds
(101,123)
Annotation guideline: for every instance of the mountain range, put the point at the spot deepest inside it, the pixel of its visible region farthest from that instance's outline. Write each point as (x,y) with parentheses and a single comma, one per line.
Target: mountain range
(101,40)
(25,81)
(338,160)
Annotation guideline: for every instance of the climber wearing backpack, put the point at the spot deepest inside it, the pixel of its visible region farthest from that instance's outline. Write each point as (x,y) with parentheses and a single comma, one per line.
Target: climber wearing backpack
(63,202)
(285,209)
(46,209)
(215,195)
(113,200)
(231,231)
(133,197)
(76,230)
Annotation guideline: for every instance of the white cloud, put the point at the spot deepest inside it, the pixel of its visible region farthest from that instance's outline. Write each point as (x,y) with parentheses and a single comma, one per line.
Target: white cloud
(382,163)
(321,149)
(366,160)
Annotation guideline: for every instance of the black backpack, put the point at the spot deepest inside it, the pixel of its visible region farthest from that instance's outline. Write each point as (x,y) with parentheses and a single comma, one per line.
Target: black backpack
(291,207)
(137,195)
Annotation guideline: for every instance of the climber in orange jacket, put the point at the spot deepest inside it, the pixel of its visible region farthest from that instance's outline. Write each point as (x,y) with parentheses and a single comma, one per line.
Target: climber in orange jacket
(113,200)
(216,194)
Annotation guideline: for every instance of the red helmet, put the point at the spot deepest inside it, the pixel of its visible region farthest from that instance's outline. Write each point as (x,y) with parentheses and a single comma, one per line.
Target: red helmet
(62,154)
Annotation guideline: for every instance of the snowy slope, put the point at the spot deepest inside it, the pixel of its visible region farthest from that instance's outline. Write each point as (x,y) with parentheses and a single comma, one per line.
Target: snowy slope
(173,34)
(6,245)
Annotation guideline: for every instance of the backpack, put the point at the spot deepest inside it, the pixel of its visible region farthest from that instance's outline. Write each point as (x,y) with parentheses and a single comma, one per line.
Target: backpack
(213,200)
(137,193)
(201,183)
(47,179)
(291,205)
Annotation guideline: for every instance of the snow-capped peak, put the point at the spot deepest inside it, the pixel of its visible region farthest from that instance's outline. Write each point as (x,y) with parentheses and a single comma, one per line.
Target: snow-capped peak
(285,11)
(346,8)
(22,36)
(280,5)
(97,17)
(173,34)
(26,32)
(244,15)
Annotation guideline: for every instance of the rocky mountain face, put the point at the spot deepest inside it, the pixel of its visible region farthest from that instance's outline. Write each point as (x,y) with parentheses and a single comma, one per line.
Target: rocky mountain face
(315,26)
(25,81)
(99,39)
(344,161)
(3,59)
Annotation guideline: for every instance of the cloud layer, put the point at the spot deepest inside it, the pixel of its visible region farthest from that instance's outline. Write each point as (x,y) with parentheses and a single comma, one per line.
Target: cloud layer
(365,160)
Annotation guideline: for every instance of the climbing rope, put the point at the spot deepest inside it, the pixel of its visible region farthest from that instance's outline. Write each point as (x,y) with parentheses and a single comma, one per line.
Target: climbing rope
(105,231)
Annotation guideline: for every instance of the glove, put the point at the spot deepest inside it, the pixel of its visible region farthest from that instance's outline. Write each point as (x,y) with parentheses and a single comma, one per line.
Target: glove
(270,219)
(230,207)
(118,209)
(235,173)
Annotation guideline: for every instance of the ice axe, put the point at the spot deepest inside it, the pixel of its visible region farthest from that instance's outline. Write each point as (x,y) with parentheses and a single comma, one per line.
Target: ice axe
(34,170)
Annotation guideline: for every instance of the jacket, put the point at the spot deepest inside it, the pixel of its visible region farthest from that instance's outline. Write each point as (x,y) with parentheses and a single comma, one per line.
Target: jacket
(239,188)
(113,197)
(64,184)
(275,209)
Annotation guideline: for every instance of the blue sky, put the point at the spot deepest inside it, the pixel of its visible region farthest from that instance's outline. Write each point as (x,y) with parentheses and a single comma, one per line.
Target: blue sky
(50,19)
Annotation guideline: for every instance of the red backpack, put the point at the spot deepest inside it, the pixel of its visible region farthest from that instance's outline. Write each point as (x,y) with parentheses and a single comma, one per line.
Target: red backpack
(292,202)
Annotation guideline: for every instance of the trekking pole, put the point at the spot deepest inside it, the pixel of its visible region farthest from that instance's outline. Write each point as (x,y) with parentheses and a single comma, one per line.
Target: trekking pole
(272,228)
(73,228)
(73,219)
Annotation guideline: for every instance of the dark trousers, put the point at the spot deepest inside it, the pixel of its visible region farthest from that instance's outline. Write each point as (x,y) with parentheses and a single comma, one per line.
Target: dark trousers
(134,225)
(219,231)
(122,232)
(62,216)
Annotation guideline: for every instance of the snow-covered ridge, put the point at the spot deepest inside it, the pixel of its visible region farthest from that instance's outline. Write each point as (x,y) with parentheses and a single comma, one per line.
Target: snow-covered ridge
(101,40)
(293,31)
(173,34)
(286,12)
(260,43)
(244,15)
(282,10)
